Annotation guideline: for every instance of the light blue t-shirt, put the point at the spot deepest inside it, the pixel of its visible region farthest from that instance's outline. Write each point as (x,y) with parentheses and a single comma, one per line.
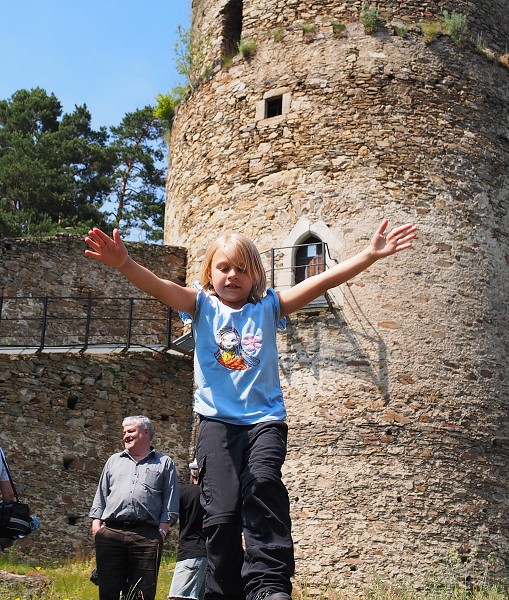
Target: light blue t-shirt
(236,361)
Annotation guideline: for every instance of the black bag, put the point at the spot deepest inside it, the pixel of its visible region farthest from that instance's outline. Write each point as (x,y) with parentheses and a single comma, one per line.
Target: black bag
(15,517)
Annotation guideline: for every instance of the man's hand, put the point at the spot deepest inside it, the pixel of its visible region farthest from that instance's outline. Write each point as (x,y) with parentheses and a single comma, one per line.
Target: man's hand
(96,525)
(163,530)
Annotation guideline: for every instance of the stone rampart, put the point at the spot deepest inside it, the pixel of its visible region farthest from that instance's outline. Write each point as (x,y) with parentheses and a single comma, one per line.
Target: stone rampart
(61,412)
(53,293)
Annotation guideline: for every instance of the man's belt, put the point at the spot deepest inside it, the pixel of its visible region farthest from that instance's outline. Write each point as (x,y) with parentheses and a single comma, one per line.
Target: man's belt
(114,524)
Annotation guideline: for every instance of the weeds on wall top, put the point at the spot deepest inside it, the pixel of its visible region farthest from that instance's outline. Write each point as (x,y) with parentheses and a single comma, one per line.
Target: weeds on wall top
(400,31)
(430,30)
(454,25)
(247,47)
(277,34)
(451,24)
(338,28)
(370,18)
(189,53)
(308,28)
(482,49)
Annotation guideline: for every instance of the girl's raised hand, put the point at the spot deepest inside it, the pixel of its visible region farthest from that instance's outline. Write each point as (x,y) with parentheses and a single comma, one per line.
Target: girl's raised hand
(110,251)
(400,238)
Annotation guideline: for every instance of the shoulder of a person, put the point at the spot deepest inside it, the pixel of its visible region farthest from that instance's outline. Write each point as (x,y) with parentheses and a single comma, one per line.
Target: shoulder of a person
(163,457)
(115,456)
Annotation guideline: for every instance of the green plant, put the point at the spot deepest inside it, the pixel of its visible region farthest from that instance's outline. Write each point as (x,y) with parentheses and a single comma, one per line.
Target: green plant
(482,49)
(430,30)
(308,28)
(277,34)
(480,46)
(189,55)
(338,28)
(226,61)
(400,31)
(166,105)
(247,47)
(184,55)
(453,25)
(370,18)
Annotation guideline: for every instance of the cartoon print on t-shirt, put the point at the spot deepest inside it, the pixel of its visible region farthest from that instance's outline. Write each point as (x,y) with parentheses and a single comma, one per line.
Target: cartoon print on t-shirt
(233,352)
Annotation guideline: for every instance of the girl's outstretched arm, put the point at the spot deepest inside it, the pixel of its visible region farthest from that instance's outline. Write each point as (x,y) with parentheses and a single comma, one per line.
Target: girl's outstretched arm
(112,252)
(380,246)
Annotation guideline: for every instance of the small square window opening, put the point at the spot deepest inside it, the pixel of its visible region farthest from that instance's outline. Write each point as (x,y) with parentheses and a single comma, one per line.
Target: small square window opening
(273,107)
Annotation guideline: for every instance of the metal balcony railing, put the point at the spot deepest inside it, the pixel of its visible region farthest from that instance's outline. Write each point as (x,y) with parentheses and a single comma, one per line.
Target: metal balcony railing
(287,265)
(87,323)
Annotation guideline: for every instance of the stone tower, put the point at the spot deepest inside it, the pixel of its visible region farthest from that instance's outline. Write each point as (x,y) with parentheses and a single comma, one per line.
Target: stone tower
(397,386)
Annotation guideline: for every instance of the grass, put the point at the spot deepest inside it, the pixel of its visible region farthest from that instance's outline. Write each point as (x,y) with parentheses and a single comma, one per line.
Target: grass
(338,28)
(430,30)
(451,24)
(308,28)
(70,581)
(247,47)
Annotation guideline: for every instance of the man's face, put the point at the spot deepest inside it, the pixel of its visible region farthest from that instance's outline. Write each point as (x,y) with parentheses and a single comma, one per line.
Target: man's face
(135,437)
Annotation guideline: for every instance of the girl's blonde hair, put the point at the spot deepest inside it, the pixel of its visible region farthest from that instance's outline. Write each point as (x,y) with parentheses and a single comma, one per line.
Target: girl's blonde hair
(243,254)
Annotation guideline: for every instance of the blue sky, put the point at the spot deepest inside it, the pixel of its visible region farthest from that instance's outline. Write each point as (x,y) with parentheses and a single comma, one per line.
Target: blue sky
(113,55)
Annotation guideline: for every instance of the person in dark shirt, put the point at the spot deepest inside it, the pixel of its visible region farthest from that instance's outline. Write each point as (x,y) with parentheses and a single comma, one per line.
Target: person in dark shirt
(189,575)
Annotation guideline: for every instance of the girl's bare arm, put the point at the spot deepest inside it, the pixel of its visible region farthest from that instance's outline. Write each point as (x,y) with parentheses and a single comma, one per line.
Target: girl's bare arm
(112,252)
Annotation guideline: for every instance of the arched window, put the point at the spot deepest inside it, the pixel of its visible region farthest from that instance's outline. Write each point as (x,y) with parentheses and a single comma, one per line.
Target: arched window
(309,258)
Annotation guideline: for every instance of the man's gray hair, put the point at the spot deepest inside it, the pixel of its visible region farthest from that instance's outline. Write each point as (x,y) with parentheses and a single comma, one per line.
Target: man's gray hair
(140,421)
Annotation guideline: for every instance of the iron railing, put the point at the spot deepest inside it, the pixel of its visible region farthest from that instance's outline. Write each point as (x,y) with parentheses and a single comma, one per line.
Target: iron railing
(282,269)
(88,322)
(281,262)
(85,322)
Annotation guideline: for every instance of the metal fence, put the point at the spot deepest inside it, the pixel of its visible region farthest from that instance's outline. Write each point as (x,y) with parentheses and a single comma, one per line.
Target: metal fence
(287,265)
(86,322)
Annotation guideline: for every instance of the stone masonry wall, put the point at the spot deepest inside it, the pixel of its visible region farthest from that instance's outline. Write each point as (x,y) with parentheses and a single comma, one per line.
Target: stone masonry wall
(57,267)
(487,20)
(61,412)
(62,418)
(398,396)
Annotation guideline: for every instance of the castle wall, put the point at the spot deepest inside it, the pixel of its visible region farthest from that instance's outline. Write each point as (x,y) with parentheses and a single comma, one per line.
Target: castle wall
(61,412)
(58,268)
(397,398)
(62,418)
(487,20)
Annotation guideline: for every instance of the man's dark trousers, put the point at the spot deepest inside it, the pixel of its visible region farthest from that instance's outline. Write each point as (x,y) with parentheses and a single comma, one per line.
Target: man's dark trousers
(128,559)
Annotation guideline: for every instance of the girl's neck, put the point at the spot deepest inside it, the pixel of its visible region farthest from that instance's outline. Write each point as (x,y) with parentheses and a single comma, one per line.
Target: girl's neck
(233,305)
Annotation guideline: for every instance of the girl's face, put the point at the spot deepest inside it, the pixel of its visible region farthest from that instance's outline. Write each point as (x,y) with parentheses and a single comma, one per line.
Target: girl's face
(230,282)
